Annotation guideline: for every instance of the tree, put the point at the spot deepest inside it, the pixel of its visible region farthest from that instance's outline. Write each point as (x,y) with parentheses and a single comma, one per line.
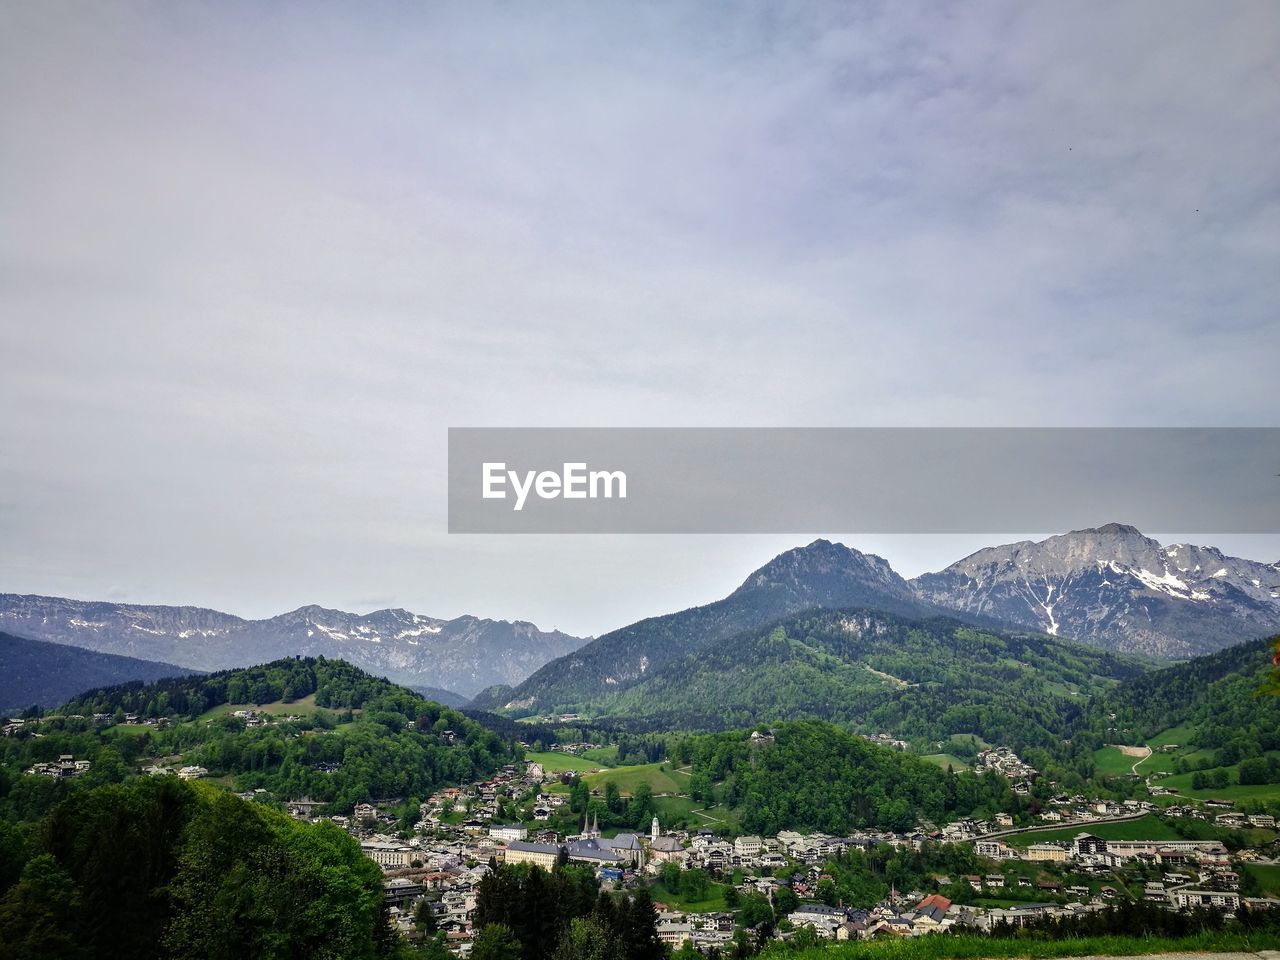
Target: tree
(694,883)
(586,939)
(613,798)
(669,874)
(640,928)
(423,918)
(37,916)
(640,809)
(495,941)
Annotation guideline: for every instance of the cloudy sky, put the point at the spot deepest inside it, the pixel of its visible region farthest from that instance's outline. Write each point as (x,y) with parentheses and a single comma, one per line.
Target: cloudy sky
(255,259)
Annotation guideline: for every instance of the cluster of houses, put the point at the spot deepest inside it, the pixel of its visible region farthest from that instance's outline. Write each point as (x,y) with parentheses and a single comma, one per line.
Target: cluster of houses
(189,772)
(884,740)
(1008,765)
(1194,872)
(462,829)
(64,767)
(255,718)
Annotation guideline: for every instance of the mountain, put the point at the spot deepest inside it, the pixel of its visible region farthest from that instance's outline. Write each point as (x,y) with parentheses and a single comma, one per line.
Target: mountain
(820,575)
(1113,587)
(464,655)
(33,672)
(923,679)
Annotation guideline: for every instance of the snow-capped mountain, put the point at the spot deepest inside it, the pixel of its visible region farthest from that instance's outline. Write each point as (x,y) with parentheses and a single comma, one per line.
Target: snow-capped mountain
(463,655)
(1113,587)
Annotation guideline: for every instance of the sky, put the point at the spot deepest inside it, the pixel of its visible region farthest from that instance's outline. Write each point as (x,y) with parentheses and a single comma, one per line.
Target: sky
(255,259)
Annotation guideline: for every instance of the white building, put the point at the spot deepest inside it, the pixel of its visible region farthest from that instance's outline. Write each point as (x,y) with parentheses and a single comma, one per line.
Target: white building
(387,854)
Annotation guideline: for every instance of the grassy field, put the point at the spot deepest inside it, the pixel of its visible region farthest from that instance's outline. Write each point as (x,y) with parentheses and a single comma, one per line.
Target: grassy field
(673,811)
(660,780)
(713,902)
(304,706)
(1263,791)
(557,762)
(128,730)
(945,760)
(970,947)
(1268,877)
(1112,763)
(1145,828)
(1173,735)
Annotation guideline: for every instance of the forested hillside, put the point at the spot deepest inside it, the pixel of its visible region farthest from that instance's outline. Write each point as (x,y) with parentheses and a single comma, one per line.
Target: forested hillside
(1215,700)
(164,869)
(38,673)
(920,679)
(814,776)
(329,731)
(822,575)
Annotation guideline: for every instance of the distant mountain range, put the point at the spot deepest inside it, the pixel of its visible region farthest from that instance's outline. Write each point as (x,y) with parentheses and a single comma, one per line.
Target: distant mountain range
(1114,588)
(456,657)
(37,673)
(1108,587)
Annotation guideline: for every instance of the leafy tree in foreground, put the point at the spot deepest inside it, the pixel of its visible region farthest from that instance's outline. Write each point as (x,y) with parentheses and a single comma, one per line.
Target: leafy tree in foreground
(495,941)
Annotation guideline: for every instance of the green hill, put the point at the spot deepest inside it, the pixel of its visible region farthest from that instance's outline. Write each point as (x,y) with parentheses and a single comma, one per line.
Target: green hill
(922,679)
(326,730)
(821,575)
(810,775)
(1209,710)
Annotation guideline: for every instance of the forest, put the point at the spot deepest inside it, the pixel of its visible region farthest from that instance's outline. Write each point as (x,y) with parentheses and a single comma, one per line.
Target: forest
(815,776)
(364,738)
(159,868)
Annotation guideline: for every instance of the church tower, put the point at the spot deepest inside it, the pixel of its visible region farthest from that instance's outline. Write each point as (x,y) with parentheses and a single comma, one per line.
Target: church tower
(655,831)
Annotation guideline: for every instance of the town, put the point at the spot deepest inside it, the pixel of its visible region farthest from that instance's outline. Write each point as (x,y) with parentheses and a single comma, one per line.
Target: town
(432,871)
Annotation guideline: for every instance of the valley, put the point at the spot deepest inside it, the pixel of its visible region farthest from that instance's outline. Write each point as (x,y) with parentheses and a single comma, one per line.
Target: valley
(824,754)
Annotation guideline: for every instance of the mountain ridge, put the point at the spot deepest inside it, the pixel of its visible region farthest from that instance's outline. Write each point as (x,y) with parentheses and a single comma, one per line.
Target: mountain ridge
(44,674)
(820,575)
(462,655)
(1116,588)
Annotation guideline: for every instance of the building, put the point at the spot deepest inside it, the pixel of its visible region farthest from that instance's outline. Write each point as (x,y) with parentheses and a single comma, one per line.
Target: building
(1216,899)
(674,933)
(507,832)
(668,848)
(303,808)
(747,846)
(387,855)
(1049,852)
(1087,845)
(192,773)
(993,849)
(543,855)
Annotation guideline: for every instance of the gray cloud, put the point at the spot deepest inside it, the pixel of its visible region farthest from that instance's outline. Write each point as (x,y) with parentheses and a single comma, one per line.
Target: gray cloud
(254,261)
